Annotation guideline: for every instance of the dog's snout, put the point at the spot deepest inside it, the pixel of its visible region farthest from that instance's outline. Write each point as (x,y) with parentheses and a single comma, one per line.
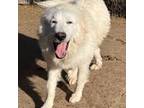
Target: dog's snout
(60,36)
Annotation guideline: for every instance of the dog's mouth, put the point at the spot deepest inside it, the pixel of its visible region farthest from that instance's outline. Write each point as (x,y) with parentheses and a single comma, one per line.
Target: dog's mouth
(60,49)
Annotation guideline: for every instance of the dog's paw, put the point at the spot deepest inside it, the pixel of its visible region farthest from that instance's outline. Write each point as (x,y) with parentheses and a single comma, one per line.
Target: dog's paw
(75,98)
(96,66)
(72,77)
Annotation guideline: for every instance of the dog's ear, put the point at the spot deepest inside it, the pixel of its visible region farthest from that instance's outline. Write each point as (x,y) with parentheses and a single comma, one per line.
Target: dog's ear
(44,27)
(41,27)
(43,32)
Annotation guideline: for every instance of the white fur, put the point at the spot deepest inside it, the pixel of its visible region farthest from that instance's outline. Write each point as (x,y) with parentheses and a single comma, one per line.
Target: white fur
(72,76)
(91,23)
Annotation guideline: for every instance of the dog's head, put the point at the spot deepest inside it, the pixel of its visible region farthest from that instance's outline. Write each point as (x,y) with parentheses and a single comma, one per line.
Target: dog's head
(63,24)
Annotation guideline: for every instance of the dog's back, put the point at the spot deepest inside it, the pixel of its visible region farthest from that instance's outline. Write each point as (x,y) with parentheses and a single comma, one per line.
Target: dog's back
(96,10)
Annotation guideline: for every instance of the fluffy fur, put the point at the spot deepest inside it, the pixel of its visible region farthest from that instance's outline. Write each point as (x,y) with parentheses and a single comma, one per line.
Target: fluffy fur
(90,23)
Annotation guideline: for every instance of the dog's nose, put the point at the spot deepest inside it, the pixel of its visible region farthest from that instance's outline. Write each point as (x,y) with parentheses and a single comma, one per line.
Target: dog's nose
(60,36)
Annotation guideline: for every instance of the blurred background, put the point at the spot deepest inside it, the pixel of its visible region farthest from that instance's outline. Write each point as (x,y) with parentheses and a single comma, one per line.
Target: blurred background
(116,7)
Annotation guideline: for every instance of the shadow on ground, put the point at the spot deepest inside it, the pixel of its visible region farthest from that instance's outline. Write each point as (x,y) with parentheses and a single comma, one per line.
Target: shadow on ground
(29,51)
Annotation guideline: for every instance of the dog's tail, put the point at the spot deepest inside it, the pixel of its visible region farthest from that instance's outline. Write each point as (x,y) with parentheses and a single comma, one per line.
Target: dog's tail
(51,3)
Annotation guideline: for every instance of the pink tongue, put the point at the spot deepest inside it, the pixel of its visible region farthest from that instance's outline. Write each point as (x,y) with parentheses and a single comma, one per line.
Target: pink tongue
(61,49)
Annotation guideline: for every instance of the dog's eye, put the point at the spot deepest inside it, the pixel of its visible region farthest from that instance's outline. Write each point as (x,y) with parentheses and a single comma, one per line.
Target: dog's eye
(54,22)
(69,22)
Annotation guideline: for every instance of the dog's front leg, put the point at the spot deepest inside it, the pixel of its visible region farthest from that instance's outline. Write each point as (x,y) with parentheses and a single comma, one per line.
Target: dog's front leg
(82,79)
(53,77)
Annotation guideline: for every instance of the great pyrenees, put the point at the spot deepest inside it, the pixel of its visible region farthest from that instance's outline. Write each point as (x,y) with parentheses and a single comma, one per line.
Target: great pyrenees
(71,32)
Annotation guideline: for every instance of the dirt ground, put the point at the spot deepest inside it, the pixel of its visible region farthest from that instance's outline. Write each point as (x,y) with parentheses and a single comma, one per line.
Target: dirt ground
(106,87)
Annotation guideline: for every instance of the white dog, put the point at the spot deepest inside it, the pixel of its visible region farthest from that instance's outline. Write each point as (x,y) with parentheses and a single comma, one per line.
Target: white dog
(70,35)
